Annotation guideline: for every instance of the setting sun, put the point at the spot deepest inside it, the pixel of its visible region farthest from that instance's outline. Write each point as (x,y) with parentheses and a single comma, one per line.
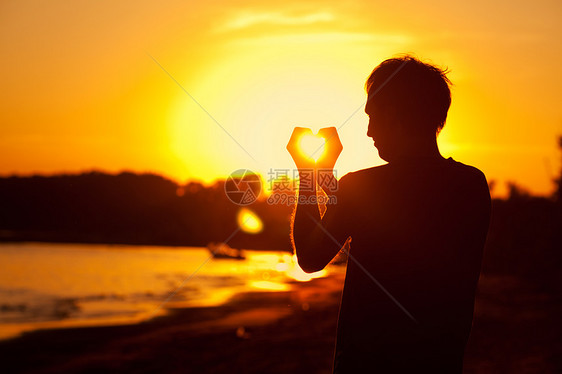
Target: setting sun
(312,146)
(215,89)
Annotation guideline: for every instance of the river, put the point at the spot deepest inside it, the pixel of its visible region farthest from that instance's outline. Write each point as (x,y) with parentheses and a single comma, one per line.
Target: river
(46,285)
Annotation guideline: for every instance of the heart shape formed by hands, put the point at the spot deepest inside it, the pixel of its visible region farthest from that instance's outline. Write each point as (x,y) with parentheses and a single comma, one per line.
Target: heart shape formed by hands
(312,146)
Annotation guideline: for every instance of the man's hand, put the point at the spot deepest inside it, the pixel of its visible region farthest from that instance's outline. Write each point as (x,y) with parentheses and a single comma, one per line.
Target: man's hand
(327,161)
(322,169)
(313,247)
(333,148)
(302,160)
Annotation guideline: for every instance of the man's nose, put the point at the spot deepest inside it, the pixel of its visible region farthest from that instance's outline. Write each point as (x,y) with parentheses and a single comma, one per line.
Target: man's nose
(370,130)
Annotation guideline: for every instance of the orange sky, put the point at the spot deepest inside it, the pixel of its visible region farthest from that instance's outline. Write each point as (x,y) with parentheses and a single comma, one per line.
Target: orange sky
(80,89)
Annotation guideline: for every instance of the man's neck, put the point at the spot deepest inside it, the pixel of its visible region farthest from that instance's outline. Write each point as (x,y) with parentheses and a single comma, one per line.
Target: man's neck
(417,149)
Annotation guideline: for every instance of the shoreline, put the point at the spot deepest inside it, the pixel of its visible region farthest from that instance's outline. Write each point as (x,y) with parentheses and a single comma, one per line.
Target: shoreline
(132,245)
(117,285)
(206,337)
(291,331)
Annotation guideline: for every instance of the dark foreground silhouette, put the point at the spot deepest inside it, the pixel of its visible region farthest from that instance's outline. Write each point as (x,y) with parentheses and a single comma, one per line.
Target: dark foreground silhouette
(418,227)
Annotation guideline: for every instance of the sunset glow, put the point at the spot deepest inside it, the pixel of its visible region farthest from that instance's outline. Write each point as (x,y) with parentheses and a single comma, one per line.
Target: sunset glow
(312,146)
(195,91)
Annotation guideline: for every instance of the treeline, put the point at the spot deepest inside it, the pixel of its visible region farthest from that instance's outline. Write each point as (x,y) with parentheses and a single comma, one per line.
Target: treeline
(131,208)
(525,237)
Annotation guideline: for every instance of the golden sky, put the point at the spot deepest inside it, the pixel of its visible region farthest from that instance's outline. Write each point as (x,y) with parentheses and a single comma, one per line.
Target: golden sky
(83,84)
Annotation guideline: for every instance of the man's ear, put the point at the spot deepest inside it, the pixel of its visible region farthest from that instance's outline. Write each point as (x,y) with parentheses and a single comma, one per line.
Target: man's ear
(400,127)
(394,120)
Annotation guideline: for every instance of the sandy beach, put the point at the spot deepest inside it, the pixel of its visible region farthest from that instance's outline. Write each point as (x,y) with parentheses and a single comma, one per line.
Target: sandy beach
(285,332)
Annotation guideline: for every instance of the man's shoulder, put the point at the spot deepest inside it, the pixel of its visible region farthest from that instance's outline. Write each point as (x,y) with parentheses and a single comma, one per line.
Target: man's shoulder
(445,169)
(365,173)
(466,171)
(470,183)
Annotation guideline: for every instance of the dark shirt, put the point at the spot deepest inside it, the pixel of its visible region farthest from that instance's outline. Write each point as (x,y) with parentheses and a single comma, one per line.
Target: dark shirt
(418,230)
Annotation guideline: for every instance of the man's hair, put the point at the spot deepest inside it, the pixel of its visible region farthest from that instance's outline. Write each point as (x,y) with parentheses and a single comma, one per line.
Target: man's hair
(418,92)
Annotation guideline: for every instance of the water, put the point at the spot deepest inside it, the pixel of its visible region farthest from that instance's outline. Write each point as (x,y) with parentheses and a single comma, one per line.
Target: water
(62,285)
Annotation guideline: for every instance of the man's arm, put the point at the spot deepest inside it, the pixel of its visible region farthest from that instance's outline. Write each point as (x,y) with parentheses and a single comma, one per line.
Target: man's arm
(313,245)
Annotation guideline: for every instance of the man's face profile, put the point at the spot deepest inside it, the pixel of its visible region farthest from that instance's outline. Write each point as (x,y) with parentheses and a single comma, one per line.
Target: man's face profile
(381,130)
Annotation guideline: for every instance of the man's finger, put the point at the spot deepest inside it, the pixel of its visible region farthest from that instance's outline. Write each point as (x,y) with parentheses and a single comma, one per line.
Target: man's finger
(297,133)
(331,136)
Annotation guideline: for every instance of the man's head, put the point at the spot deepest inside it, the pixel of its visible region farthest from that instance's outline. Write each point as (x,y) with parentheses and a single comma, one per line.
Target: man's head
(407,102)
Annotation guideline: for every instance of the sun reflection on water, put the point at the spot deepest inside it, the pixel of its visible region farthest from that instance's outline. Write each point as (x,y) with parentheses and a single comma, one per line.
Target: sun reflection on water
(270,286)
(288,264)
(62,285)
(298,274)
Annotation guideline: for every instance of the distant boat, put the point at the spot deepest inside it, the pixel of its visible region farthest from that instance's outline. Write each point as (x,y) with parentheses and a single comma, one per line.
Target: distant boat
(224,251)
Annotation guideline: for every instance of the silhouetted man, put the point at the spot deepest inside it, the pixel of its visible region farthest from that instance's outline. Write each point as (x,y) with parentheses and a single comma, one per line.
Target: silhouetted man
(418,226)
